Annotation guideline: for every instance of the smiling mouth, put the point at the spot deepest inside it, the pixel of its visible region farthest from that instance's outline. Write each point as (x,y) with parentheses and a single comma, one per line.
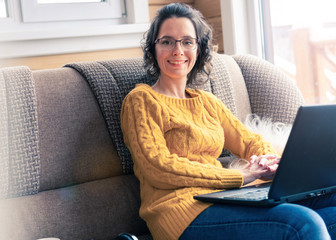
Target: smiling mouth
(177,62)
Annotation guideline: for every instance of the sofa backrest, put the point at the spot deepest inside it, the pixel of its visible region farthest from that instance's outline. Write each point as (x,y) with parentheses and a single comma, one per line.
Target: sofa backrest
(74,143)
(272,93)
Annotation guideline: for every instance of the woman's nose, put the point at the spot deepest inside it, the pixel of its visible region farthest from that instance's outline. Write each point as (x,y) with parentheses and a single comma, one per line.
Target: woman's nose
(177,50)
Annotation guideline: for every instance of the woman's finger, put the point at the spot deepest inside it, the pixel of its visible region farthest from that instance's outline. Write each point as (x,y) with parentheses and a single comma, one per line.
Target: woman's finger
(263,162)
(274,161)
(253,158)
(273,167)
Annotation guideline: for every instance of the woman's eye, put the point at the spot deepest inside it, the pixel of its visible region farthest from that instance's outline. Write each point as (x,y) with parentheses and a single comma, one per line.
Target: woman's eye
(166,42)
(187,42)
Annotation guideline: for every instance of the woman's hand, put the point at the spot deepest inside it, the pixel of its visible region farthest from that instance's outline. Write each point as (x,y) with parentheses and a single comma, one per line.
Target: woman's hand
(262,167)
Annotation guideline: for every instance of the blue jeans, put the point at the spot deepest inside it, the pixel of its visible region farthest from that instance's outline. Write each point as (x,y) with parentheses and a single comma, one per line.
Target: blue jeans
(313,219)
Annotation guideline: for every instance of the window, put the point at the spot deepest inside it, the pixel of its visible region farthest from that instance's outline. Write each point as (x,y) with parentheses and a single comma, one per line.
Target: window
(3,9)
(32,32)
(65,10)
(298,36)
(302,36)
(242,28)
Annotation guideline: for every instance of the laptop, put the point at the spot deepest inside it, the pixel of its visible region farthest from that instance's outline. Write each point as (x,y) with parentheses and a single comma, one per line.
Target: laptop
(307,167)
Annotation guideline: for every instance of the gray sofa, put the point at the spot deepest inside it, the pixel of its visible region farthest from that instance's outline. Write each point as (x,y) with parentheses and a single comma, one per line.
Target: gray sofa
(64,170)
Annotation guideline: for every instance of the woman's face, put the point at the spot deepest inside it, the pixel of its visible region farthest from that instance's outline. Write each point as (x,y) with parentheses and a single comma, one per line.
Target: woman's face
(175,64)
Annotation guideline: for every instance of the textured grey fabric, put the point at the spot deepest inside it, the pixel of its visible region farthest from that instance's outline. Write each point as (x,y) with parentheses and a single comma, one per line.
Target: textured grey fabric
(272,94)
(75,146)
(221,83)
(4,155)
(110,82)
(23,164)
(240,94)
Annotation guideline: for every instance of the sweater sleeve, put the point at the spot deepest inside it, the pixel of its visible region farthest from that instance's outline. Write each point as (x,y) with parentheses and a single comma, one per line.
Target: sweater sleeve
(143,123)
(239,140)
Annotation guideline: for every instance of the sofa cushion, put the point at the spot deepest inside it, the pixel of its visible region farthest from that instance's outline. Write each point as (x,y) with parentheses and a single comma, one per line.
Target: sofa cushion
(74,143)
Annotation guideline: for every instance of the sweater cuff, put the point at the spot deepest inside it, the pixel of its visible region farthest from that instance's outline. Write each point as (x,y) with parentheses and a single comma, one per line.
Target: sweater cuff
(234,179)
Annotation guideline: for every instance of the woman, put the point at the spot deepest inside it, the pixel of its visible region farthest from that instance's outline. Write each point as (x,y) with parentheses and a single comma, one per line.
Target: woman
(176,134)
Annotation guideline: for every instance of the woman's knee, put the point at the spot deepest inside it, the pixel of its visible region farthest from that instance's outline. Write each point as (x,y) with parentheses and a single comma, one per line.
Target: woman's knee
(303,222)
(285,221)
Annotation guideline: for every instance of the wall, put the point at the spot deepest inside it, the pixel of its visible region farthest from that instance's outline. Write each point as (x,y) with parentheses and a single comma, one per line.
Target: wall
(210,11)
(56,61)
(154,5)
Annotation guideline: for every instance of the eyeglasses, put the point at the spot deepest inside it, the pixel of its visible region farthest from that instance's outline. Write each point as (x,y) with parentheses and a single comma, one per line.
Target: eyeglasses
(169,43)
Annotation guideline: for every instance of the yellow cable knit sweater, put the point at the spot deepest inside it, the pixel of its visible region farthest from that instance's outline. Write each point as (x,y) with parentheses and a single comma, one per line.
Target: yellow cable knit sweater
(175,144)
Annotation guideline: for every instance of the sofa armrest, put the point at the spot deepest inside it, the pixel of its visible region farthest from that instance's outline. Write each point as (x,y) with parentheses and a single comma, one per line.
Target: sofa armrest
(272,94)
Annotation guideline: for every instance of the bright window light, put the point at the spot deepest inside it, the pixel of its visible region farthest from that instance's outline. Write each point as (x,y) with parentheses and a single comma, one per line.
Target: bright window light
(3,9)
(304,45)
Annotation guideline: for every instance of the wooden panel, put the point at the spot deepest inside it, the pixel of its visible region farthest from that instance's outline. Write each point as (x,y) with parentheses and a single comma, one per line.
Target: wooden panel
(57,61)
(153,10)
(216,24)
(208,8)
(155,5)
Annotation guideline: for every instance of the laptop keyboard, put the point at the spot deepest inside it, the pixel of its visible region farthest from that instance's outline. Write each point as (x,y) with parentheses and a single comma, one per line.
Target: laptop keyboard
(254,194)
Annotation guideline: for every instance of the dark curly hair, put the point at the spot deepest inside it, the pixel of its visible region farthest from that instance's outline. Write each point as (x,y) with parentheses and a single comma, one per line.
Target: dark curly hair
(203,35)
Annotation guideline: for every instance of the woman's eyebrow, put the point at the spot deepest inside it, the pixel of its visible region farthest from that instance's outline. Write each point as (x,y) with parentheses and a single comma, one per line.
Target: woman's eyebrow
(166,36)
(186,36)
